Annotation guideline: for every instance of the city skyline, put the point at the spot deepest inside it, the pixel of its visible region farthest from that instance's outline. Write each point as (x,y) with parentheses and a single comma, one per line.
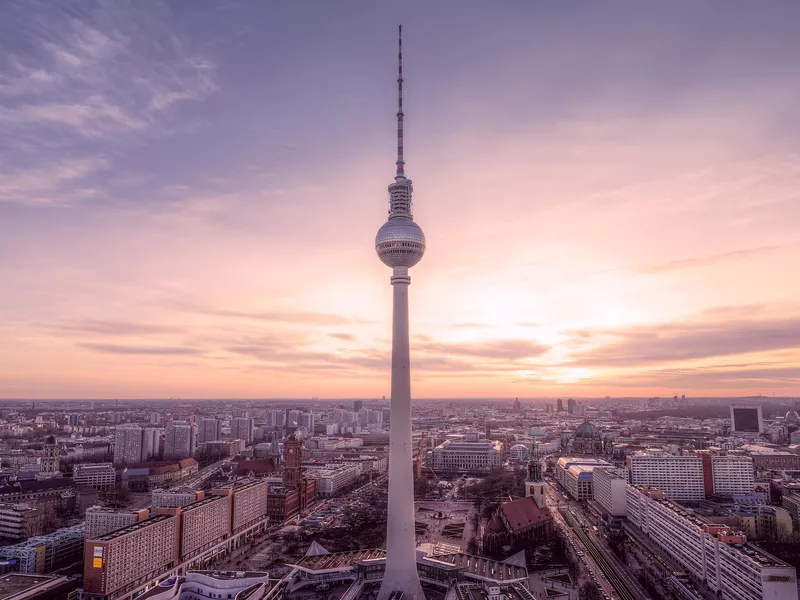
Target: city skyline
(608,222)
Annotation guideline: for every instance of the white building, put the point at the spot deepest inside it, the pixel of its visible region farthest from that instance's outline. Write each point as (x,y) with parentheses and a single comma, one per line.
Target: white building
(732,474)
(610,490)
(173,498)
(100,476)
(732,568)
(679,477)
(100,521)
(333,479)
(575,474)
(474,457)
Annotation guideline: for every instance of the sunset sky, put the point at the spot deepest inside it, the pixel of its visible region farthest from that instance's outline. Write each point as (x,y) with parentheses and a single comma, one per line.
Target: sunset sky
(189,194)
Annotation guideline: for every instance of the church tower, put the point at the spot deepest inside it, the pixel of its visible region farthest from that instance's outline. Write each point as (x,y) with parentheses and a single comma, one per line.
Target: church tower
(534,485)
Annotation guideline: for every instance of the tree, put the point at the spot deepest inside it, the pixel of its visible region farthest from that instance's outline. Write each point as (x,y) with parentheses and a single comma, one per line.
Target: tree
(589,591)
(472,546)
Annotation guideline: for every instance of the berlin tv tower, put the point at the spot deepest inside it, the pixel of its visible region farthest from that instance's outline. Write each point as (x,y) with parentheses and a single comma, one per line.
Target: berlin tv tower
(400,244)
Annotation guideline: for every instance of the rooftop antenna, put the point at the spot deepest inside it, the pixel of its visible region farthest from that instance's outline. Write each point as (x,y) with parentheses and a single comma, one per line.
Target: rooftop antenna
(400,161)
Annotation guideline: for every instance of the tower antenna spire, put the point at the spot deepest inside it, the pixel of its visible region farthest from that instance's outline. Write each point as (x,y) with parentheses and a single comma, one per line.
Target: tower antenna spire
(400,161)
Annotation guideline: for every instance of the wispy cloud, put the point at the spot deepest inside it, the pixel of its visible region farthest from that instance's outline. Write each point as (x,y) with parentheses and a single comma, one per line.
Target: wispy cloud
(143,350)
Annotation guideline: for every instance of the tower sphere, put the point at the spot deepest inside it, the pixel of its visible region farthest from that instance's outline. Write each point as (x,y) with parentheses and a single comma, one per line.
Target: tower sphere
(400,242)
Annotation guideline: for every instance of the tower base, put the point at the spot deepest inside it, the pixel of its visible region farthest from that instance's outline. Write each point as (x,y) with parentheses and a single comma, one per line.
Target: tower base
(401,586)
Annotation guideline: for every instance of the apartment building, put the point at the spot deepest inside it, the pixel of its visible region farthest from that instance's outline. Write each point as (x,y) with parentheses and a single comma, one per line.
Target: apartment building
(242,429)
(134,444)
(713,553)
(249,496)
(610,490)
(179,440)
(175,498)
(122,560)
(732,474)
(100,521)
(473,457)
(100,476)
(208,430)
(203,524)
(679,477)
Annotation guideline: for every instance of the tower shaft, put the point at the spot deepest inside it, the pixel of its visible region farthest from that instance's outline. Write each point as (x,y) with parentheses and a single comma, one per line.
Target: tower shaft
(401,560)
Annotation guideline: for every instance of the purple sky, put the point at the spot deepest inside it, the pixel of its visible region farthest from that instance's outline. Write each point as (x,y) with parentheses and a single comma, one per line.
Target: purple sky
(189,193)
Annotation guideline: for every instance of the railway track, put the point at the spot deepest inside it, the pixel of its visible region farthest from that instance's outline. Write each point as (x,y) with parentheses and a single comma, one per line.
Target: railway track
(621,587)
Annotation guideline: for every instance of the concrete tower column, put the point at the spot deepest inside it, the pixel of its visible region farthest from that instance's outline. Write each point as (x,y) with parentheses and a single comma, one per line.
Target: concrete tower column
(401,560)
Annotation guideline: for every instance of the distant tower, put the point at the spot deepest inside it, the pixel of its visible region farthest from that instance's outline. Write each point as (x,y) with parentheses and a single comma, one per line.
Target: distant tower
(400,244)
(50,459)
(534,485)
(292,461)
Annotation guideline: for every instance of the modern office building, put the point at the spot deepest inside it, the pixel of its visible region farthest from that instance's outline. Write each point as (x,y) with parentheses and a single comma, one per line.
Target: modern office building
(242,429)
(100,520)
(610,489)
(679,477)
(400,244)
(179,441)
(747,419)
(468,457)
(100,476)
(713,553)
(45,553)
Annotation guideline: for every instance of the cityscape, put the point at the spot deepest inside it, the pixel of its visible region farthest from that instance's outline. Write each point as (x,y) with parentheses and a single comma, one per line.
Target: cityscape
(176,424)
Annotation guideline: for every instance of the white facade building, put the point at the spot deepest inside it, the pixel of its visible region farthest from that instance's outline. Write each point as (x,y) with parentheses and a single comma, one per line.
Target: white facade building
(173,498)
(732,474)
(732,568)
(208,430)
(467,457)
(134,444)
(679,477)
(100,521)
(610,490)
(333,479)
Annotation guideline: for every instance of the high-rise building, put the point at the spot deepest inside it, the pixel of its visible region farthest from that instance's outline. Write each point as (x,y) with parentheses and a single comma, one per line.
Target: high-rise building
(208,430)
(179,441)
(610,490)
(679,477)
(155,418)
(559,405)
(732,474)
(293,418)
(358,405)
(134,444)
(276,418)
(400,244)
(242,429)
(73,419)
(571,406)
(307,420)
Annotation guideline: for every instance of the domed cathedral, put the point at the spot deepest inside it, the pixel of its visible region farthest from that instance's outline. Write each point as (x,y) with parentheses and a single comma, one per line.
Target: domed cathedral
(587,441)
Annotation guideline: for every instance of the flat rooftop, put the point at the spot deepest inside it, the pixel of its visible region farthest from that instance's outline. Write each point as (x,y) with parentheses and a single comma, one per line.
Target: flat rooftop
(13,584)
(131,528)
